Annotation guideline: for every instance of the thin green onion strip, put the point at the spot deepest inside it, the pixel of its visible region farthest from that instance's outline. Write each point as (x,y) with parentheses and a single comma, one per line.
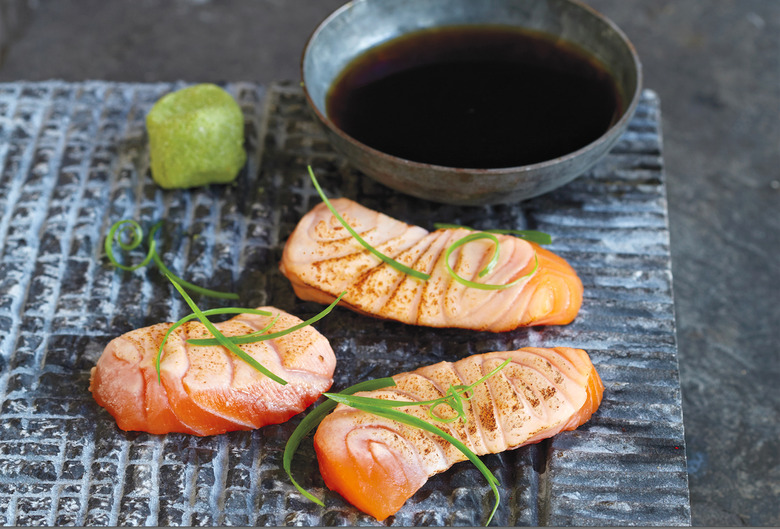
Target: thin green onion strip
(122,228)
(454,398)
(254,337)
(221,339)
(313,419)
(389,260)
(210,312)
(482,286)
(539,237)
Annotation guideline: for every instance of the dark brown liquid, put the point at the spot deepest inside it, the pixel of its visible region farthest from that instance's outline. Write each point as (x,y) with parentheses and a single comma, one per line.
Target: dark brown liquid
(474,97)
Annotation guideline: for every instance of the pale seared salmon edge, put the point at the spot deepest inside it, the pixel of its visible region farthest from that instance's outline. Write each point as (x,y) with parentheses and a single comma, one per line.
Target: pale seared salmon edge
(207,390)
(377,464)
(321,259)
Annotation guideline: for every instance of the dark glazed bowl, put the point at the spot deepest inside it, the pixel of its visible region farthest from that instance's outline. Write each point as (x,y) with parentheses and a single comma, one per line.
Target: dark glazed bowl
(363,24)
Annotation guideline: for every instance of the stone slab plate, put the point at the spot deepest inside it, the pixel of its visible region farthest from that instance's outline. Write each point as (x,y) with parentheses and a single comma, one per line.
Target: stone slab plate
(73,160)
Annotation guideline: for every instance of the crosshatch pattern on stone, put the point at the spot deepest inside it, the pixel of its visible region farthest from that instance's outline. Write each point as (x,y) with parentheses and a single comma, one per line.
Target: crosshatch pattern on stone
(73,160)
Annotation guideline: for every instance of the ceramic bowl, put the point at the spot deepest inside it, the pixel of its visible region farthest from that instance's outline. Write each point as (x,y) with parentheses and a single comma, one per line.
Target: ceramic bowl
(362,24)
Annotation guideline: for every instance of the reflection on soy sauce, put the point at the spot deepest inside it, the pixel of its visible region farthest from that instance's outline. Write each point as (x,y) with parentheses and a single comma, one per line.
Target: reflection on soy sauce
(475,97)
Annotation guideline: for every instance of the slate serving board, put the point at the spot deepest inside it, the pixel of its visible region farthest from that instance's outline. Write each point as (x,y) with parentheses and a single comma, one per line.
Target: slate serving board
(74,160)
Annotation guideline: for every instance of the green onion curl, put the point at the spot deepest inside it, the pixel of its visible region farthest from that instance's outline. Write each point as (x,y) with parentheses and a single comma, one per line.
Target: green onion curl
(389,260)
(118,232)
(483,286)
(121,229)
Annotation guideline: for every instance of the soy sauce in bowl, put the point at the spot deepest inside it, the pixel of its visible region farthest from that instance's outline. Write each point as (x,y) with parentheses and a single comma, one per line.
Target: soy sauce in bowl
(479,96)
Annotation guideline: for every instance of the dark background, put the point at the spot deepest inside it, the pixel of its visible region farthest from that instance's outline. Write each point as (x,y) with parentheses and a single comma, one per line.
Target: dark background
(715,65)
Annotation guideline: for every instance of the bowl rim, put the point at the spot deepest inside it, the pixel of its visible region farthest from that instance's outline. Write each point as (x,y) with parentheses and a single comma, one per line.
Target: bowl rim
(605,137)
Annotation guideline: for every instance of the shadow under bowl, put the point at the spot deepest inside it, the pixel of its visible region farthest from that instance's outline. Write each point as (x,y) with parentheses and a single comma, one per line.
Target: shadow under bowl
(360,25)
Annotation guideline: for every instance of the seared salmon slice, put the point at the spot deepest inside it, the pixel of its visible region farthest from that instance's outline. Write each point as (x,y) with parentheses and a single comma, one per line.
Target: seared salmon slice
(207,390)
(321,260)
(377,463)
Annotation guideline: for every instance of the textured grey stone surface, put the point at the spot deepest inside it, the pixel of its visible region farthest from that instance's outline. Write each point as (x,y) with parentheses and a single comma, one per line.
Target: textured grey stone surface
(74,160)
(714,65)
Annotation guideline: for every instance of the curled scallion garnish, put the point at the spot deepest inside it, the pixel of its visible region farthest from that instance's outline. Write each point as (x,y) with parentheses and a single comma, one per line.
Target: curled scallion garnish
(119,232)
(389,260)
(122,229)
(539,237)
(483,286)
(384,408)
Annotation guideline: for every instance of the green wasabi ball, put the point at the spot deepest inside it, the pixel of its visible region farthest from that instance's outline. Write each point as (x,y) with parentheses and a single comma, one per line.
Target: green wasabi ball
(196,137)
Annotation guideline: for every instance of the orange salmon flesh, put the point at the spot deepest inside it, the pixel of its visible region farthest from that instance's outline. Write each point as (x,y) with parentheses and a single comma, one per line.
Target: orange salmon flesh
(321,259)
(208,390)
(377,464)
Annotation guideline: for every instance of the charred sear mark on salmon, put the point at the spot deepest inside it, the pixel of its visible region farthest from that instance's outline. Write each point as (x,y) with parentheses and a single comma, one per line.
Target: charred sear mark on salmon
(487,418)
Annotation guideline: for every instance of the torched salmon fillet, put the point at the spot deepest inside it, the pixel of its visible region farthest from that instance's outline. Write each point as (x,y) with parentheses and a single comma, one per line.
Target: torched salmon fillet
(377,464)
(321,259)
(207,390)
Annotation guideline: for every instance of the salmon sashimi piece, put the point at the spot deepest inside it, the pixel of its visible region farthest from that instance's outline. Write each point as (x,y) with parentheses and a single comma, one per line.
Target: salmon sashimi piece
(207,390)
(321,259)
(377,463)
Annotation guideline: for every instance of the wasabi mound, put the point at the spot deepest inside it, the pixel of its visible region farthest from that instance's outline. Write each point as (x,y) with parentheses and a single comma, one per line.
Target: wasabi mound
(196,137)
